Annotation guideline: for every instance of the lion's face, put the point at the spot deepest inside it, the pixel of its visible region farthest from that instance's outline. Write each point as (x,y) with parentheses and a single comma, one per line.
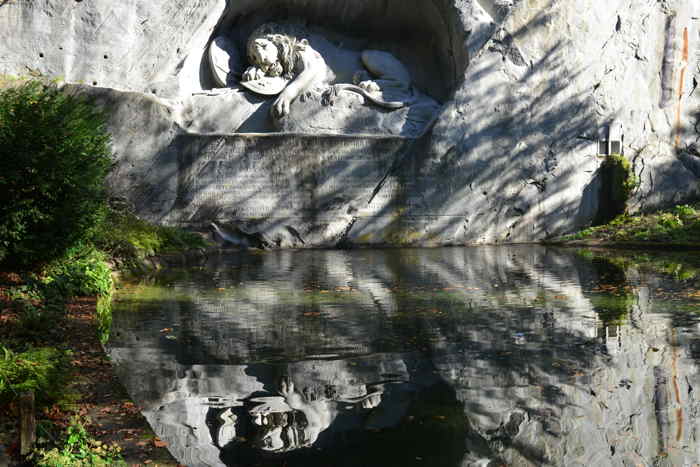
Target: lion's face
(264,54)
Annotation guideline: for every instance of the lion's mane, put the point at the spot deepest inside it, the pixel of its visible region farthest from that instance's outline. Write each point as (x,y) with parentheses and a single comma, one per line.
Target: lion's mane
(288,38)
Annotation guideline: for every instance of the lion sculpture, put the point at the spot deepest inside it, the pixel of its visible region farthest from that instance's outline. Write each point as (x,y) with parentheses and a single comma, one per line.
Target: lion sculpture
(289,61)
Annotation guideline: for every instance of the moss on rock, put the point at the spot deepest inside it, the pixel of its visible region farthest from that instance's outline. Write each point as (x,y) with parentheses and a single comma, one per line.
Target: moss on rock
(618,185)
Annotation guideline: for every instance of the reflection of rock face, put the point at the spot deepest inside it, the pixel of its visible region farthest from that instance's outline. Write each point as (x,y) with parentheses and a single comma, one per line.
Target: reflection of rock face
(497,351)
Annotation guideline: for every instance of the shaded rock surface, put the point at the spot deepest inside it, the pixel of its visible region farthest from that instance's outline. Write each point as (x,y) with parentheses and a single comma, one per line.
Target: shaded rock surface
(528,88)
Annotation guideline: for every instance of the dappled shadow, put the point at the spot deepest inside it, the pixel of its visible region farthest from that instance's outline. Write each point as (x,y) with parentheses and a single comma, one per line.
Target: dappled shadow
(677,179)
(509,174)
(489,171)
(688,151)
(505,177)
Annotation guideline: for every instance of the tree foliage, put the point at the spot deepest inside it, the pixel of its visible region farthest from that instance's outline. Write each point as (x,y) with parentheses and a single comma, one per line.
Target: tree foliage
(54,156)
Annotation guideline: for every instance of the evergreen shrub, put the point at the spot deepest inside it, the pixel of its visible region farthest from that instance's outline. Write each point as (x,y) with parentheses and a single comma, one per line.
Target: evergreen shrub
(54,156)
(42,370)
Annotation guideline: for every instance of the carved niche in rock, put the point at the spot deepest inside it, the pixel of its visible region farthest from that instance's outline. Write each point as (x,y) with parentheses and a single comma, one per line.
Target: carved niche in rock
(315,85)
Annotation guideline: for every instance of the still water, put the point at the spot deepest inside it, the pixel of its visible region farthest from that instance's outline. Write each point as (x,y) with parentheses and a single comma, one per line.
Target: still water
(486,356)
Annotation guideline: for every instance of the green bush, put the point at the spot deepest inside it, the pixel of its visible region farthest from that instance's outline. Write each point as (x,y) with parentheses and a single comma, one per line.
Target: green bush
(79,449)
(42,370)
(624,180)
(54,156)
(684,211)
(36,309)
(40,304)
(670,221)
(103,312)
(83,272)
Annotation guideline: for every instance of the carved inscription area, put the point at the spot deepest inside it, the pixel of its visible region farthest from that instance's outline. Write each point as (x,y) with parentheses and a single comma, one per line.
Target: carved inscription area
(281,175)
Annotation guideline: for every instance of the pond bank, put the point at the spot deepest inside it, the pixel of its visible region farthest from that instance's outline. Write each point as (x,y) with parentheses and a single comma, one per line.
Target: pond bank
(93,391)
(677,228)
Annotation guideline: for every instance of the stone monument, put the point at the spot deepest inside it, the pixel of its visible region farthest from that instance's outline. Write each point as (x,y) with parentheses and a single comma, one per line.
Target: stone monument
(290,62)
(401,122)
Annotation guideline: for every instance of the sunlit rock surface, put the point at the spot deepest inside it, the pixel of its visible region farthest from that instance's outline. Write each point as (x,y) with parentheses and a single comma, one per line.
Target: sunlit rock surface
(518,356)
(526,88)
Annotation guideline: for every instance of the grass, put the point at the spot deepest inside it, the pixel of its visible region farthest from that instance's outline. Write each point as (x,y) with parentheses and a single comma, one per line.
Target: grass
(678,226)
(78,449)
(128,240)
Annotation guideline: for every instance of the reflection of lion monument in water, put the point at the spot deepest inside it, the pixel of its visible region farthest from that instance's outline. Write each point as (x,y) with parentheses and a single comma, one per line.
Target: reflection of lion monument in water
(294,419)
(283,59)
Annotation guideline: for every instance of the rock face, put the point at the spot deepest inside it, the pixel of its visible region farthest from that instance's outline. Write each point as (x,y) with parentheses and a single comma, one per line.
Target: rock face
(527,89)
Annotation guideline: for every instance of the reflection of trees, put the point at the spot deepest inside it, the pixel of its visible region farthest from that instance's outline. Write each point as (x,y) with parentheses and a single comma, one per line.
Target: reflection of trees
(612,300)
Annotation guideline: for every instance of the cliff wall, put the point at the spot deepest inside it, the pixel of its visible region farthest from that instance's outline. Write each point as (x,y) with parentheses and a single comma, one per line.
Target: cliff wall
(526,92)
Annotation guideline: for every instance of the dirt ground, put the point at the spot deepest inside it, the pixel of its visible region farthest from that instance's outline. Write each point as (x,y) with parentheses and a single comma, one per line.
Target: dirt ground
(100,396)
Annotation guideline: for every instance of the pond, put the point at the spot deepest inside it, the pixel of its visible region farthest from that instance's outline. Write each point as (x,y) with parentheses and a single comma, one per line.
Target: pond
(484,356)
